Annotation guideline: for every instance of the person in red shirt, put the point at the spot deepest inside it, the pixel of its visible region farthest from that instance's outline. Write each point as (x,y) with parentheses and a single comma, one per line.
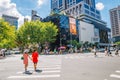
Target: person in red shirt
(35,58)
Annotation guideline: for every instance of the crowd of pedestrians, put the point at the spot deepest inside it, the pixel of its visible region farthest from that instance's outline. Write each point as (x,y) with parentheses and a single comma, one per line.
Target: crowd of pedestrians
(107,52)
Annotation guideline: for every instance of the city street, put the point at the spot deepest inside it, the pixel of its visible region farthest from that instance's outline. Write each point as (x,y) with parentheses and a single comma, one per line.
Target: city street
(62,67)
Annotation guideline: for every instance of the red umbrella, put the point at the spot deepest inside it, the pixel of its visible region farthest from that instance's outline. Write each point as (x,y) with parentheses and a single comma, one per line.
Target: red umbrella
(62,47)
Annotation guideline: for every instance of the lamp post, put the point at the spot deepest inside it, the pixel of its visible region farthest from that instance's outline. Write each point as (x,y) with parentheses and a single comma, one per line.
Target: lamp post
(60,40)
(28,40)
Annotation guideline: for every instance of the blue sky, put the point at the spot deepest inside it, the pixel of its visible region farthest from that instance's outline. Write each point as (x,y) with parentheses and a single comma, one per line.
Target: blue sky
(22,8)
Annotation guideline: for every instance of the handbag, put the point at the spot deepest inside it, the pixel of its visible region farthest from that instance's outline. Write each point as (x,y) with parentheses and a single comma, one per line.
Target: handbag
(22,58)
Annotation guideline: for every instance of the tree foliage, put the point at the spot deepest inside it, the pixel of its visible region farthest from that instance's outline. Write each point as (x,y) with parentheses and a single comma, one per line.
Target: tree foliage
(7,35)
(35,32)
(117,43)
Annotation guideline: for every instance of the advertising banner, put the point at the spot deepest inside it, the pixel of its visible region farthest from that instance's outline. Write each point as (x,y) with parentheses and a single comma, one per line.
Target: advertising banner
(72,23)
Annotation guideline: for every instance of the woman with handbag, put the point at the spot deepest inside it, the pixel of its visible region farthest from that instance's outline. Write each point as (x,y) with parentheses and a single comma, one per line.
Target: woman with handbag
(25,59)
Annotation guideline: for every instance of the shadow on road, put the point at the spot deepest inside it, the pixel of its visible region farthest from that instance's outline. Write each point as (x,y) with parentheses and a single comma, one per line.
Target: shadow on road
(39,71)
(27,72)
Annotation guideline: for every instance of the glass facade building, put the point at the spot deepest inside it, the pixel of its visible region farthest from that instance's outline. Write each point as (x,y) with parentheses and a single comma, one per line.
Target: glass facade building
(83,10)
(11,19)
(64,35)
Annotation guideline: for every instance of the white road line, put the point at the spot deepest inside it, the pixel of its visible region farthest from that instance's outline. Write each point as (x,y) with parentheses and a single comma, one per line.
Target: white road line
(45,66)
(115,76)
(66,57)
(71,57)
(117,71)
(53,71)
(48,68)
(34,76)
(77,57)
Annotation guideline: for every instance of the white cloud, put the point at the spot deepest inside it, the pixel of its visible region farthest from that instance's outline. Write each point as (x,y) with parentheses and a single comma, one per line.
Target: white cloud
(41,2)
(100,6)
(8,8)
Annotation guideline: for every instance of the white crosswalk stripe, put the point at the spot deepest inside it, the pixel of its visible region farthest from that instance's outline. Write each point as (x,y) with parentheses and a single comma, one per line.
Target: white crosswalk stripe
(72,57)
(34,76)
(117,71)
(52,71)
(76,57)
(116,75)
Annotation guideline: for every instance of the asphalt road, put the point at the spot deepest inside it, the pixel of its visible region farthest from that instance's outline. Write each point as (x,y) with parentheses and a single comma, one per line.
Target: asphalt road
(62,67)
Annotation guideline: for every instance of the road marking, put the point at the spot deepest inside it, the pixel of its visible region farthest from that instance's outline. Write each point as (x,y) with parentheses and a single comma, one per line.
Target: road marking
(54,71)
(117,71)
(71,57)
(47,68)
(66,57)
(115,76)
(34,76)
(77,57)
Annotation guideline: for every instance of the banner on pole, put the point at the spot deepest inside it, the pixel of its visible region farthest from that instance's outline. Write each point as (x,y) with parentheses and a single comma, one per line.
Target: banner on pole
(72,23)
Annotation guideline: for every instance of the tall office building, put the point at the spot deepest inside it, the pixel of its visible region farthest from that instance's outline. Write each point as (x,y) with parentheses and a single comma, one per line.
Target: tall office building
(35,16)
(115,23)
(84,10)
(11,19)
(76,8)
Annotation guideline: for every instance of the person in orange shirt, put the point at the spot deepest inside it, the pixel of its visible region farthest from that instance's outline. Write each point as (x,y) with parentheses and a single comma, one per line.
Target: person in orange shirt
(35,58)
(25,59)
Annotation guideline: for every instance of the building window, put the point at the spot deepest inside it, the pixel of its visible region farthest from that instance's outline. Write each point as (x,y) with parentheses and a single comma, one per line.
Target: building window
(86,6)
(77,1)
(98,17)
(92,14)
(88,1)
(77,10)
(60,3)
(97,12)
(74,11)
(92,9)
(86,11)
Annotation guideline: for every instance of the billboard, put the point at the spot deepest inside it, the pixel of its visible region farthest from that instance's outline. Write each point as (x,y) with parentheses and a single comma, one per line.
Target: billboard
(72,23)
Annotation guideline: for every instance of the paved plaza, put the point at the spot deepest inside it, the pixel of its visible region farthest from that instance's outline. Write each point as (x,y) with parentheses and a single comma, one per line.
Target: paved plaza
(62,67)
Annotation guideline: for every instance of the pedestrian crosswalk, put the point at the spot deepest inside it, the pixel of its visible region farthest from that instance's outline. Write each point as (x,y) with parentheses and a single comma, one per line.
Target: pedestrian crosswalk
(77,56)
(51,71)
(116,74)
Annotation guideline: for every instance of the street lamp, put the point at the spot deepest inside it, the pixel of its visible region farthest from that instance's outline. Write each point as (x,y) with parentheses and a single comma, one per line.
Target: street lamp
(60,40)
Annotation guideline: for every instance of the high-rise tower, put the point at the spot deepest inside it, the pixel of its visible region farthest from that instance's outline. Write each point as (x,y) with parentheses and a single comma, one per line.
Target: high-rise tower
(115,23)
(83,10)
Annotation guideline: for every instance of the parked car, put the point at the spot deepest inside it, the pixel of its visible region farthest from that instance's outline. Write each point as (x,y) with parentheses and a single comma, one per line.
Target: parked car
(17,52)
(9,52)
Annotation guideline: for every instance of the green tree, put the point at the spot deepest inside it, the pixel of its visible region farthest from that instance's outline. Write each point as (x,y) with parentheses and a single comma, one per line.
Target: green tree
(117,43)
(7,35)
(35,32)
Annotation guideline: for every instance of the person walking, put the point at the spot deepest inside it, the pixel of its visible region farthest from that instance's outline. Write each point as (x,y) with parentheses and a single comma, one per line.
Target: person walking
(25,59)
(35,58)
(117,52)
(106,51)
(95,51)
